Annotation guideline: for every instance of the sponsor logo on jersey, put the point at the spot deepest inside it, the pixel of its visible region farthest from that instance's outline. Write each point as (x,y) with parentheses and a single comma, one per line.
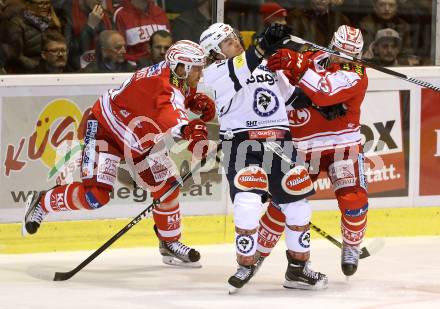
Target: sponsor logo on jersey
(251,178)
(107,167)
(357,212)
(299,117)
(251,123)
(262,78)
(265,102)
(297,181)
(239,61)
(244,243)
(342,174)
(91,200)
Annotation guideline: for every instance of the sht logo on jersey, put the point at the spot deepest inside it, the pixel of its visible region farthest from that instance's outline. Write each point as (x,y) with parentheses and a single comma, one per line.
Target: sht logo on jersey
(265,102)
(298,117)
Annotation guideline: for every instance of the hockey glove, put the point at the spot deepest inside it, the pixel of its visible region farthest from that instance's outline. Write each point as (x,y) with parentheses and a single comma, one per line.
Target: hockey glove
(272,37)
(196,133)
(295,63)
(201,104)
(332,112)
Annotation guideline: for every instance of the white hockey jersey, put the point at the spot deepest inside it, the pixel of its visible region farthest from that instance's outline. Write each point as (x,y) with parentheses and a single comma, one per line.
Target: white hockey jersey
(248,100)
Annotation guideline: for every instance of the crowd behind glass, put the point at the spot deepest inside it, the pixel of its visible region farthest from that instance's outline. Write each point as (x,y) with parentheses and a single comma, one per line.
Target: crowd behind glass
(70,36)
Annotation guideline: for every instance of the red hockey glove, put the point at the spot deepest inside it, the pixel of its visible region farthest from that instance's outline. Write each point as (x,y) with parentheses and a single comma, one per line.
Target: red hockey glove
(196,133)
(201,104)
(285,59)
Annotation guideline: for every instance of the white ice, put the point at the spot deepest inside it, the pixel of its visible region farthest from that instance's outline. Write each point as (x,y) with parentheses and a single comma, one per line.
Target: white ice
(404,274)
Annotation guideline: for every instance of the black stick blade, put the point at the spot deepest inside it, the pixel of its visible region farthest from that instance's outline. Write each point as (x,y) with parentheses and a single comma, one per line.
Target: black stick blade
(59,276)
(364,253)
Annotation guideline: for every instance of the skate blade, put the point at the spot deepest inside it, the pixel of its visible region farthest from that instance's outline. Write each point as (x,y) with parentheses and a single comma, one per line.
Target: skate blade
(24,232)
(169,260)
(304,286)
(232,289)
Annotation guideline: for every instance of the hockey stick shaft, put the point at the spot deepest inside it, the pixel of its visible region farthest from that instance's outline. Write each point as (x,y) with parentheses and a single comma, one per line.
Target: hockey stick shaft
(367,63)
(62,276)
(276,149)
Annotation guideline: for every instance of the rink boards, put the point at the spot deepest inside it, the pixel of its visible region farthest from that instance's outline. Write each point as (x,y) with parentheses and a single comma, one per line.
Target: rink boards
(400,126)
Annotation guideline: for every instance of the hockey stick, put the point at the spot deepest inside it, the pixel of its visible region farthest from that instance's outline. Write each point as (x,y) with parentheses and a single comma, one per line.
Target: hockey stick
(382,69)
(276,149)
(62,276)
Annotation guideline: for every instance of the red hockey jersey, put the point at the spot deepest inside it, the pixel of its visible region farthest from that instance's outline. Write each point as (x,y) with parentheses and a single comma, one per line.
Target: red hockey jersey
(338,83)
(138,26)
(149,103)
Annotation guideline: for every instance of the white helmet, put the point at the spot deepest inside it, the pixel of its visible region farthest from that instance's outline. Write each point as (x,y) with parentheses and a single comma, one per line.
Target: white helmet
(348,39)
(211,38)
(186,52)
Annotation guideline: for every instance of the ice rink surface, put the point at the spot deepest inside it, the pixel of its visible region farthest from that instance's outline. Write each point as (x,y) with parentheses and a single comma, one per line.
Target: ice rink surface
(404,274)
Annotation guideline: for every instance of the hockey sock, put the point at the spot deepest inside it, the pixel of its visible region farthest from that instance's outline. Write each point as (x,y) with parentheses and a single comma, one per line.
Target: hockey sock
(272,225)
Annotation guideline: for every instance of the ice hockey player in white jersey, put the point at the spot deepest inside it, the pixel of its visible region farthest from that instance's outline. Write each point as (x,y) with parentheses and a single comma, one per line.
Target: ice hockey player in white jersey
(251,105)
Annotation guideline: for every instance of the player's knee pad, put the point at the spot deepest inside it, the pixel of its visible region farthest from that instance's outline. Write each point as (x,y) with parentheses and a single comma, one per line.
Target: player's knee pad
(298,215)
(96,197)
(170,202)
(353,206)
(247,209)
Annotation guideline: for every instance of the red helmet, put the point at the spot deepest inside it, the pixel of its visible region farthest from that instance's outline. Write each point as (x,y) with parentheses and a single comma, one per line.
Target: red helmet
(348,39)
(186,52)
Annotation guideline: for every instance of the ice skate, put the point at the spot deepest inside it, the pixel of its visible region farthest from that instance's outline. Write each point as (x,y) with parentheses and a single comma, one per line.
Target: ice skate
(349,259)
(300,276)
(33,214)
(241,277)
(176,253)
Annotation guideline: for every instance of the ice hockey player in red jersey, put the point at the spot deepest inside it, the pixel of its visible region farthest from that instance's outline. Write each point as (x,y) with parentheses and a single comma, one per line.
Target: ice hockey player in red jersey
(327,133)
(132,123)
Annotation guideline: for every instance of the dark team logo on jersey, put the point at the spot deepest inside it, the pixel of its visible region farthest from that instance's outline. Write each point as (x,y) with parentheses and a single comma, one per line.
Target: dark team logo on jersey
(265,102)
(304,239)
(298,117)
(244,243)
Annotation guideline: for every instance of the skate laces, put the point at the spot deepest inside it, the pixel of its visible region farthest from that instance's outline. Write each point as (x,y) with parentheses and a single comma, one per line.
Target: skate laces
(350,254)
(243,272)
(310,273)
(38,214)
(178,248)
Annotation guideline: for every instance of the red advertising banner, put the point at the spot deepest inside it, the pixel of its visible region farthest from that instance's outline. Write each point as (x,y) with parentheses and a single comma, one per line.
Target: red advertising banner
(430,143)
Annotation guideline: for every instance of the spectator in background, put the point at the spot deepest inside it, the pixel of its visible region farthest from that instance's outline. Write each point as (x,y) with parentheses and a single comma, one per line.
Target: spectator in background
(385,48)
(85,19)
(273,13)
(8,9)
(54,54)
(160,41)
(385,15)
(110,55)
(190,24)
(317,22)
(24,33)
(137,20)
